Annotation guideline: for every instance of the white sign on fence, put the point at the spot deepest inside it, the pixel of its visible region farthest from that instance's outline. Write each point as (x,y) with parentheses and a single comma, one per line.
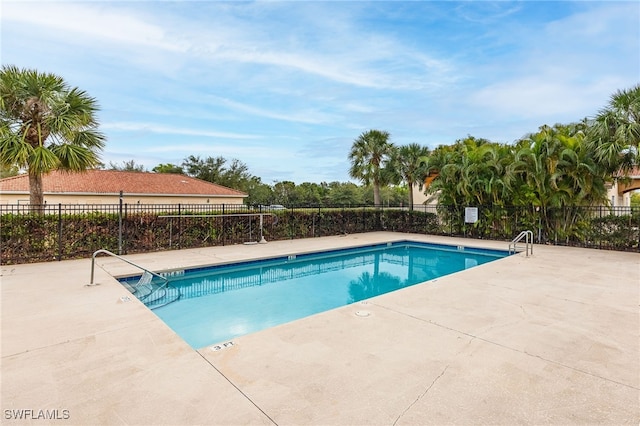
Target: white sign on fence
(470,214)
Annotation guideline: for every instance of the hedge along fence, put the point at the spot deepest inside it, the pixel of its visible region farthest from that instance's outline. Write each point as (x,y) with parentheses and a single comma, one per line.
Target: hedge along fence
(27,237)
(69,232)
(308,222)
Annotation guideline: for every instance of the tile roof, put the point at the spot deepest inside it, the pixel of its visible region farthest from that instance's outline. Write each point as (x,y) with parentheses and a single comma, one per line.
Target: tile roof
(634,172)
(113,181)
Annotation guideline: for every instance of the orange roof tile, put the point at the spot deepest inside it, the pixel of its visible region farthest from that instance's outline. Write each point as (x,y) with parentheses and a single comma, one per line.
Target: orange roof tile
(635,171)
(113,181)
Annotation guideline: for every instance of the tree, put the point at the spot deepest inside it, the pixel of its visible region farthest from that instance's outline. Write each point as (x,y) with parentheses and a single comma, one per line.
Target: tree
(8,171)
(555,168)
(614,136)
(46,125)
(235,176)
(127,166)
(168,168)
(215,170)
(368,154)
(390,195)
(285,193)
(444,161)
(309,194)
(408,164)
(555,172)
(342,194)
(470,172)
(209,169)
(259,193)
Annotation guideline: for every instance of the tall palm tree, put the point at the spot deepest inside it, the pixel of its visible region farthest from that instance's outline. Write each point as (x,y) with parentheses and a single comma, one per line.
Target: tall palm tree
(368,154)
(46,125)
(408,164)
(615,134)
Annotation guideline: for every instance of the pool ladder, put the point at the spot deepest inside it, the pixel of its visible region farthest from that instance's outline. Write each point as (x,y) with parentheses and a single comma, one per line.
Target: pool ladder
(528,241)
(152,295)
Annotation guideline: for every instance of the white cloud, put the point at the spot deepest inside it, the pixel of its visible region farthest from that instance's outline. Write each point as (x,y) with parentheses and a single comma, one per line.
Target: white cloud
(533,97)
(287,86)
(157,128)
(96,20)
(486,12)
(307,116)
(354,57)
(566,70)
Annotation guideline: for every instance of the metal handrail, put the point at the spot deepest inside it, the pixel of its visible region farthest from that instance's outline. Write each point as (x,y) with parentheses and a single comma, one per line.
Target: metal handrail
(93,262)
(528,236)
(145,297)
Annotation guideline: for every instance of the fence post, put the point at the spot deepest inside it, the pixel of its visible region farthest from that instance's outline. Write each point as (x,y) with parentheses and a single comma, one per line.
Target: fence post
(344,226)
(599,231)
(638,219)
(179,226)
(59,232)
(120,226)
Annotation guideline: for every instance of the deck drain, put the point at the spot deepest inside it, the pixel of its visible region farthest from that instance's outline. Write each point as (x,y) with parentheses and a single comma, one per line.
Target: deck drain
(363,313)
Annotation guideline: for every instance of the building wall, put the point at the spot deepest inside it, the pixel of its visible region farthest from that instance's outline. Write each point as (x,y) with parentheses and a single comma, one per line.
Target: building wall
(618,200)
(6,198)
(620,191)
(419,198)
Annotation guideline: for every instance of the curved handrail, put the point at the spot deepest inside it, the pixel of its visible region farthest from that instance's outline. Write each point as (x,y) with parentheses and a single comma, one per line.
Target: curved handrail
(93,262)
(528,236)
(162,287)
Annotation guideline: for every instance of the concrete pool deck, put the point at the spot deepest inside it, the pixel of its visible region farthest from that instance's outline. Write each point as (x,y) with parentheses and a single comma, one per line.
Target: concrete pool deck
(548,339)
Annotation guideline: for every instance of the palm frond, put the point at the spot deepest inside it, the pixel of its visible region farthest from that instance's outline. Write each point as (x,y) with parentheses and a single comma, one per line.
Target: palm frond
(74,157)
(42,160)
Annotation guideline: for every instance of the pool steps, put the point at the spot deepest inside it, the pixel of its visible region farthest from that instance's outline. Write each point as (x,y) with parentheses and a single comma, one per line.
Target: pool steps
(153,294)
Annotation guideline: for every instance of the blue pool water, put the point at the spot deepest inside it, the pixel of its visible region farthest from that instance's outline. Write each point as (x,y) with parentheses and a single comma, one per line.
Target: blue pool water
(220,303)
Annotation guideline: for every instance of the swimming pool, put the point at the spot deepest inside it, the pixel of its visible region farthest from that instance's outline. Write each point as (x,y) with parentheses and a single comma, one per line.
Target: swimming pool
(218,303)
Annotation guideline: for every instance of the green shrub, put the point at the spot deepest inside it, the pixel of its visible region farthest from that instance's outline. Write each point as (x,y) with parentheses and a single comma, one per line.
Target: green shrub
(32,238)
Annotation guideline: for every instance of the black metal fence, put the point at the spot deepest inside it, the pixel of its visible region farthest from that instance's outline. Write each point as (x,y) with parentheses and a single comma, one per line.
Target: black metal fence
(63,231)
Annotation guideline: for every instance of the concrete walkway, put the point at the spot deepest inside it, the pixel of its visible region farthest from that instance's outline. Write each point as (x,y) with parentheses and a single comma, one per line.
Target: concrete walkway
(549,339)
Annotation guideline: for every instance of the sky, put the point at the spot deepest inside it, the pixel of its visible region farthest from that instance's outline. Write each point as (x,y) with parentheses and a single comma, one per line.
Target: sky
(287,86)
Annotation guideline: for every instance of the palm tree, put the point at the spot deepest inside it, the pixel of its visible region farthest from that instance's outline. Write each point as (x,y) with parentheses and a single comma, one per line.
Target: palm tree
(46,125)
(368,154)
(614,136)
(445,161)
(554,171)
(470,172)
(408,163)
